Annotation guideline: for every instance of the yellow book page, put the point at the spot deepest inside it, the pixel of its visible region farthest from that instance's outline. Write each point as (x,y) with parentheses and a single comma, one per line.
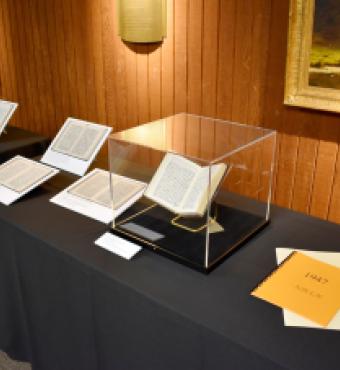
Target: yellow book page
(304,285)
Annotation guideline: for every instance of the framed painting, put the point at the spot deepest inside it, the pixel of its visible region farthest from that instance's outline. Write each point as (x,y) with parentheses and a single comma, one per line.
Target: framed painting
(313,59)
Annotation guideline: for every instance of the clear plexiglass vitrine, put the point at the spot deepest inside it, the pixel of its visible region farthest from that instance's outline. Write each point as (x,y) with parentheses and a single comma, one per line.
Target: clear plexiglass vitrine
(204,186)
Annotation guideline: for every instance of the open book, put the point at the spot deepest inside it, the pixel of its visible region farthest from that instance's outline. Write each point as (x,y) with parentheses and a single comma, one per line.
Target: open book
(95,187)
(20,174)
(92,196)
(182,186)
(79,139)
(6,111)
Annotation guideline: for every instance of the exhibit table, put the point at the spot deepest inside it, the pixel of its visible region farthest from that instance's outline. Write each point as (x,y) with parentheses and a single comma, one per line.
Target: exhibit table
(66,304)
(19,141)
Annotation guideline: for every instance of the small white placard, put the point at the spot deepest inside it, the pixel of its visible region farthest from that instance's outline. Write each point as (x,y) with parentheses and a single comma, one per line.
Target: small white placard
(23,175)
(7,109)
(117,245)
(76,146)
(291,318)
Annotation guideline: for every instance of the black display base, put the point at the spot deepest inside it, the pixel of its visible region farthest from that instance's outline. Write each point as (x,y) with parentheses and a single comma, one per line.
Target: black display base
(61,181)
(19,141)
(185,246)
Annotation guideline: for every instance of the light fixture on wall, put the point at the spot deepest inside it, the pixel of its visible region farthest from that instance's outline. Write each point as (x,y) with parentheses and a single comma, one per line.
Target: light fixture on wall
(141,21)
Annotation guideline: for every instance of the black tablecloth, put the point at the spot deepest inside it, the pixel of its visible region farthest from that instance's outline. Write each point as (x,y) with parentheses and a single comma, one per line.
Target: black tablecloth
(19,141)
(67,304)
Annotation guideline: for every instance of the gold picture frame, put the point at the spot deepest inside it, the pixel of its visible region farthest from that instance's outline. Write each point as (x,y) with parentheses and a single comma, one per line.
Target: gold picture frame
(308,81)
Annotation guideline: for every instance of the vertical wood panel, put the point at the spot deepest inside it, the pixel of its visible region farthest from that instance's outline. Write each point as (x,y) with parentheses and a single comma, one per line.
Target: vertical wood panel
(154,74)
(334,206)
(242,63)
(210,57)
(226,61)
(77,14)
(120,81)
(259,60)
(273,109)
(142,84)
(26,52)
(34,44)
(180,55)
(70,58)
(305,168)
(109,56)
(52,58)
(49,92)
(168,63)
(286,166)
(58,33)
(131,87)
(7,75)
(324,168)
(95,32)
(195,25)
(223,58)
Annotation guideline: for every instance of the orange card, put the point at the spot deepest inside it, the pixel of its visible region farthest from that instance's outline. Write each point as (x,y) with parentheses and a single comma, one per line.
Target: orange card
(304,285)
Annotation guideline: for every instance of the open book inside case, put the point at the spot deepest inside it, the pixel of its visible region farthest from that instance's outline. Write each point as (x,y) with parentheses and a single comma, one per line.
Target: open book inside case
(208,186)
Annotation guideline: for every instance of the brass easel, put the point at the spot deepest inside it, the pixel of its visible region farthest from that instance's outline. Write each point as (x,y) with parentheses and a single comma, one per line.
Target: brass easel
(212,219)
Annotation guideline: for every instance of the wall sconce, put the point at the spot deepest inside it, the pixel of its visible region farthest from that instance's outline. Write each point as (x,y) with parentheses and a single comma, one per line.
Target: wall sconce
(141,21)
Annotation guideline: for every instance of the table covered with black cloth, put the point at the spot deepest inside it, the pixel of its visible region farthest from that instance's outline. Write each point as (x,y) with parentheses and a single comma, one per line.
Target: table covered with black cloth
(66,304)
(16,141)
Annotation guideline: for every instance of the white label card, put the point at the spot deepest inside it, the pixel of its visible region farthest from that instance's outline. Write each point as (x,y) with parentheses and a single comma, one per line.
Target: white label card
(76,146)
(117,245)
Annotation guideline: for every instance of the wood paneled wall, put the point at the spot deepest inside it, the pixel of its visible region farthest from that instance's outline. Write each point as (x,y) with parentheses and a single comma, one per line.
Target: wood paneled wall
(223,58)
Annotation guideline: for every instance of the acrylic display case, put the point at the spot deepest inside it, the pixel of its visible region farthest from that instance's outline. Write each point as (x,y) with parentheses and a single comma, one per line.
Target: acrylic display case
(208,186)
